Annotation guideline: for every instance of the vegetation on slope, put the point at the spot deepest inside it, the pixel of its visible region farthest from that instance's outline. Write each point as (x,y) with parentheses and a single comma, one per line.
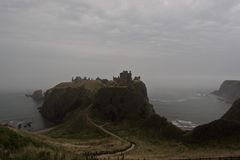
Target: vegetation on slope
(10,140)
(217,130)
(18,145)
(158,127)
(76,126)
(225,129)
(234,112)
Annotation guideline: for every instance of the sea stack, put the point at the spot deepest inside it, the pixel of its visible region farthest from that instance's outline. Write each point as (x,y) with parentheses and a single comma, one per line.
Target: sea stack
(37,95)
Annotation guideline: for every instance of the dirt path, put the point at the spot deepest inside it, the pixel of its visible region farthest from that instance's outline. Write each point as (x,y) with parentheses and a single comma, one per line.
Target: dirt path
(45,130)
(128,149)
(101,154)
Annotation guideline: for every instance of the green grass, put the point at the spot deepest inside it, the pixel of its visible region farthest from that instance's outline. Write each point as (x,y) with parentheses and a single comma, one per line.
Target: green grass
(20,145)
(13,141)
(76,126)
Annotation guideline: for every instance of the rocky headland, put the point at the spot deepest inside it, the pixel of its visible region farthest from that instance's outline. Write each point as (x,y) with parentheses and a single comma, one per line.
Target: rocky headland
(114,100)
(121,100)
(124,99)
(100,118)
(36,95)
(229,90)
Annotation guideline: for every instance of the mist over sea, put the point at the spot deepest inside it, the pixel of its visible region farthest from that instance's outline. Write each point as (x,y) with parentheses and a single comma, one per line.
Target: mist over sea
(16,108)
(184,107)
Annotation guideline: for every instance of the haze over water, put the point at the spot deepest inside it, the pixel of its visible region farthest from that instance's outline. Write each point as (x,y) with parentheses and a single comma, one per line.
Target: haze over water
(188,108)
(184,106)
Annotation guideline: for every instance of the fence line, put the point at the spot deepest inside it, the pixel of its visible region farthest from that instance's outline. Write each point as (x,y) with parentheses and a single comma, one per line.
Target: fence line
(212,158)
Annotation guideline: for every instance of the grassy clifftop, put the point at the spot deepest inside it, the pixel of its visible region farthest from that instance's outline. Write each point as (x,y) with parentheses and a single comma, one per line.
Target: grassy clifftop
(65,97)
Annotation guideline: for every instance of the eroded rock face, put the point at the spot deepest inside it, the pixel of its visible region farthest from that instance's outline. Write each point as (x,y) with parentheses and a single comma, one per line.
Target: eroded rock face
(60,101)
(229,90)
(37,95)
(123,103)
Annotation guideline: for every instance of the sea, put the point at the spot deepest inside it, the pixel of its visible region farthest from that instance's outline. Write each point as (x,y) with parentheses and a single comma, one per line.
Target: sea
(185,108)
(189,107)
(17,110)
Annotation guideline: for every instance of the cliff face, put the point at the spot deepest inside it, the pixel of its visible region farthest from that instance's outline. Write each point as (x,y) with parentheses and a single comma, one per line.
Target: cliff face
(230,90)
(66,97)
(123,103)
(109,102)
(36,95)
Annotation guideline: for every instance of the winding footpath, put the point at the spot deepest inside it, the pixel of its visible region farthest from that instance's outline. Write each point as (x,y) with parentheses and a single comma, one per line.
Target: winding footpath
(126,150)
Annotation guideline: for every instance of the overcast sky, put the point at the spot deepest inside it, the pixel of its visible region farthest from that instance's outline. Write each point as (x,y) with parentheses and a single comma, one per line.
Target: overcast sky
(43,42)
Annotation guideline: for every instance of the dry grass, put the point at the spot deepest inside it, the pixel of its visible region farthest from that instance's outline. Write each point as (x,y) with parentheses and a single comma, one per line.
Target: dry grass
(174,150)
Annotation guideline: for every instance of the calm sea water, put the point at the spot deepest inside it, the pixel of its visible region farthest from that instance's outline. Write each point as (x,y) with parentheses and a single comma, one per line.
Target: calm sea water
(16,109)
(187,108)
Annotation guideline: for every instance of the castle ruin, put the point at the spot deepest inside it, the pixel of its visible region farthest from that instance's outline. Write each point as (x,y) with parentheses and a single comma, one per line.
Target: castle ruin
(125,78)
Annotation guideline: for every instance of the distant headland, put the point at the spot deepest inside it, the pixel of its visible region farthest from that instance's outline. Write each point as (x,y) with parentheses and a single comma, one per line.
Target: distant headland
(36,95)
(229,90)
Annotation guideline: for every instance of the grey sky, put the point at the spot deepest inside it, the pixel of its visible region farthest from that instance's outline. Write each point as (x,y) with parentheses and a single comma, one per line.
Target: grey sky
(43,42)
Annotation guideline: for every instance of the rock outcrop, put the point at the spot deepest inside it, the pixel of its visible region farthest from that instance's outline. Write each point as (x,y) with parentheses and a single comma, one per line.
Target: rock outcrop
(66,97)
(230,90)
(111,101)
(37,95)
(120,103)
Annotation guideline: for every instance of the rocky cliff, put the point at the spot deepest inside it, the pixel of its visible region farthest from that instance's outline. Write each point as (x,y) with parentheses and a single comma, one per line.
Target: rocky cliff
(110,102)
(66,97)
(123,102)
(36,95)
(230,90)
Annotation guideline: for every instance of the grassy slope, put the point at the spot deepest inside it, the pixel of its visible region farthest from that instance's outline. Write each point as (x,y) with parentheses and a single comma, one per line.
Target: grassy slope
(77,130)
(234,112)
(154,145)
(20,145)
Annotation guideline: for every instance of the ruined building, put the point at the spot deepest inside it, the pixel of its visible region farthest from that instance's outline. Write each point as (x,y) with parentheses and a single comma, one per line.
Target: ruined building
(125,78)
